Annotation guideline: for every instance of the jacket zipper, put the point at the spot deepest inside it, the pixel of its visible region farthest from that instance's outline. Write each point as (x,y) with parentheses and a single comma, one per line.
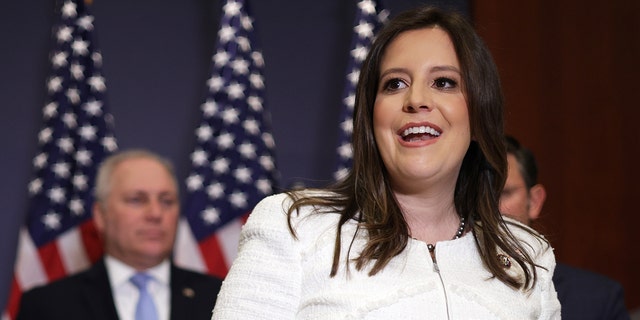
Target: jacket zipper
(432,252)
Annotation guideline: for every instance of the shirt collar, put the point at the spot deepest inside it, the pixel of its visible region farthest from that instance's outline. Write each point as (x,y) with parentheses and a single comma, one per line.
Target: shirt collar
(120,273)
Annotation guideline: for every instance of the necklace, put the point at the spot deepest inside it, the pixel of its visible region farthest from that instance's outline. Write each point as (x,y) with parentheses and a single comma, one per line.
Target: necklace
(458,234)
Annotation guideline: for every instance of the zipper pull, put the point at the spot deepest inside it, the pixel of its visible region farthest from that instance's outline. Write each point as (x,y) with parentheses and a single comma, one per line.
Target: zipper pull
(432,252)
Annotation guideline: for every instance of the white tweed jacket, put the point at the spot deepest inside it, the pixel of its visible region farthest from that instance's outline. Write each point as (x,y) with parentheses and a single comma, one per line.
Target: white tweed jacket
(278,277)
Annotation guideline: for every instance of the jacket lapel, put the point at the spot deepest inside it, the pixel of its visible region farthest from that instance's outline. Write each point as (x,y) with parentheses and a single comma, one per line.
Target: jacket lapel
(97,292)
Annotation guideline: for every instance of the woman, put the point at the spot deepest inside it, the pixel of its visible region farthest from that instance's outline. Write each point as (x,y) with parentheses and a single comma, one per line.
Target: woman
(414,230)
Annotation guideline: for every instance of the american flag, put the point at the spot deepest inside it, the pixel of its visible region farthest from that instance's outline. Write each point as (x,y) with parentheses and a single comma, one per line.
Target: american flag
(369,18)
(58,237)
(233,165)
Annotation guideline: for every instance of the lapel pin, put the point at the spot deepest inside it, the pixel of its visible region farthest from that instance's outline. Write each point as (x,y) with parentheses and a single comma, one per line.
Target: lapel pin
(188,292)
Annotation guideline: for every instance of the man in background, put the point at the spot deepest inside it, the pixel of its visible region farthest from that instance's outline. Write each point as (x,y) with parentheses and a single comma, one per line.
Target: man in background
(136,214)
(583,295)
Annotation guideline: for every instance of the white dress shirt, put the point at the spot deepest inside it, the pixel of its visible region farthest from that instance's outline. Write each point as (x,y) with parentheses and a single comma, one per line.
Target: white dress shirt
(125,293)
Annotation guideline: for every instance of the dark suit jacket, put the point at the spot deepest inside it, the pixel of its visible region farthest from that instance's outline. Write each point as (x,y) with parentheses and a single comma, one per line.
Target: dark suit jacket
(586,295)
(87,295)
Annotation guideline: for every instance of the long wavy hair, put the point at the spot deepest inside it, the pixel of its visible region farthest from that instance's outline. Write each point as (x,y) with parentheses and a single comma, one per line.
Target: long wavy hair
(365,194)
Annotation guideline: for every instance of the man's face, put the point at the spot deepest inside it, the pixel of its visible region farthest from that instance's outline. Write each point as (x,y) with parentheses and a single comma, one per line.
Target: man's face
(138,219)
(515,198)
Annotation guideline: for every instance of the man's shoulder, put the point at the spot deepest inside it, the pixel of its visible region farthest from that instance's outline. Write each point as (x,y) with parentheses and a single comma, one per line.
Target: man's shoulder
(195,277)
(581,277)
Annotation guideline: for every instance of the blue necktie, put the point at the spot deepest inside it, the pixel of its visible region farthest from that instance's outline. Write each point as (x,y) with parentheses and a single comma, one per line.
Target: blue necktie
(146,309)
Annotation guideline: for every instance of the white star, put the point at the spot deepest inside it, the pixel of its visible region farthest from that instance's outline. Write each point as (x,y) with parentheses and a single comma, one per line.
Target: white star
(267,138)
(359,53)
(56,194)
(204,132)
(232,8)
(235,91)
(247,150)
(242,174)
(87,132)
(238,199)
(255,103)
(35,186)
(50,110)
(220,58)
(69,120)
(244,44)
(367,7)
(77,71)
(93,108)
(76,207)
(215,190)
(59,59)
(199,157)
(225,141)
(83,157)
(97,83)
(267,163)
(97,58)
(264,186)
(220,165)
(341,173)
(347,125)
(226,33)
(54,84)
(350,101)
(69,10)
(85,22)
(345,151)
(251,126)
(230,115)
(247,23)
(64,34)
(210,216)
(109,143)
(257,81)
(73,94)
(209,108)
(240,66)
(80,47)
(61,169)
(51,220)
(40,160)
(80,182)
(215,84)
(194,182)
(44,135)
(353,77)
(364,30)
(257,58)
(65,144)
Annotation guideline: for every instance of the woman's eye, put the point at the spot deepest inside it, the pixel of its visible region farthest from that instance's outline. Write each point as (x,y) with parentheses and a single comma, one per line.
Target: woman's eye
(445,83)
(394,84)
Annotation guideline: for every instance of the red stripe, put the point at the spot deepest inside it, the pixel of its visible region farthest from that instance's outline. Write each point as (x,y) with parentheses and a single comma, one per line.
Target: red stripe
(51,261)
(91,241)
(244,218)
(14,299)
(213,256)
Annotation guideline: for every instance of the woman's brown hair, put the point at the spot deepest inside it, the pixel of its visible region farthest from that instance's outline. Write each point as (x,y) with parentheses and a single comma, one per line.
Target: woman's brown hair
(365,194)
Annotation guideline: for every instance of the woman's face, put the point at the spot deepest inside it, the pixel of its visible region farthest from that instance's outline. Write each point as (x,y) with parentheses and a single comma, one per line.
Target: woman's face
(420,116)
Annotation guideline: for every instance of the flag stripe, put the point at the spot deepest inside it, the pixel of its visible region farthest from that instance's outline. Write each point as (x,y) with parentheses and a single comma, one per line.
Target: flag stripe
(32,272)
(213,257)
(50,258)
(72,252)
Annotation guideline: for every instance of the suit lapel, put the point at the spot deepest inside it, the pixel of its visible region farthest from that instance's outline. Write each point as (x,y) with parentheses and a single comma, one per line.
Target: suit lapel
(182,295)
(97,292)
